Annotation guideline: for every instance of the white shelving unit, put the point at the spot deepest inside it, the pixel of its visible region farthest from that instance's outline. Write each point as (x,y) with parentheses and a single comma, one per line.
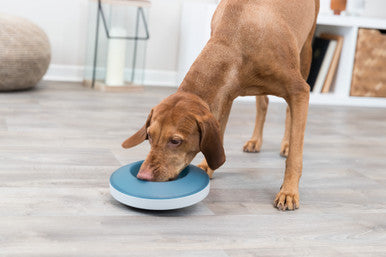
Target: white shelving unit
(346,26)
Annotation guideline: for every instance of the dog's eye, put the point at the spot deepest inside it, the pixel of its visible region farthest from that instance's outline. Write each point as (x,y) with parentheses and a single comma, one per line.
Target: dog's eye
(175,142)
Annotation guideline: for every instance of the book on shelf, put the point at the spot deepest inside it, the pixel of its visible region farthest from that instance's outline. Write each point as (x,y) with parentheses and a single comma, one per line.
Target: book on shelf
(326,51)
(334,62)
(319,48)
(323,71)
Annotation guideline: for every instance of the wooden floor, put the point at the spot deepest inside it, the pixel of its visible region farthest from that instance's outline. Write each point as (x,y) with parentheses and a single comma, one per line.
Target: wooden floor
(60,142)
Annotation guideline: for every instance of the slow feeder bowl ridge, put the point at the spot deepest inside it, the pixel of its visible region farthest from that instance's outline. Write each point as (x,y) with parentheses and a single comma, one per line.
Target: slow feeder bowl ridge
(190,187)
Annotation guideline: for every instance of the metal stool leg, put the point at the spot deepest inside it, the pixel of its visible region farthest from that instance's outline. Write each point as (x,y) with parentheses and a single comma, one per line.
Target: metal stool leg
(96,46)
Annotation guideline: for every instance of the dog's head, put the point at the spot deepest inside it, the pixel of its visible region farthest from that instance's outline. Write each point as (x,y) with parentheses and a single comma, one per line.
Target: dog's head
(177,129)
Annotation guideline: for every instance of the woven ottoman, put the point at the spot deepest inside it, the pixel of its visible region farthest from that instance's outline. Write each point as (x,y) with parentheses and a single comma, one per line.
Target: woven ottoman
(25,53)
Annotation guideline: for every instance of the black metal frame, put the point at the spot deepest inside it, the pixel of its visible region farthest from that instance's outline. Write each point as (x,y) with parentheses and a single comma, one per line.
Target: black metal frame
(136,38)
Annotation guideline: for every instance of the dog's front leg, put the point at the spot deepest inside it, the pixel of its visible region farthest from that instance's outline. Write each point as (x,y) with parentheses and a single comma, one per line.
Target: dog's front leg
(204,165)
(288,197)
(221,113)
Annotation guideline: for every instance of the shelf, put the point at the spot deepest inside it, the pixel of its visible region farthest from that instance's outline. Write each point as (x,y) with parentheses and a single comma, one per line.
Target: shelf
(195,36)
(346,26)
(330,99)
(352,21)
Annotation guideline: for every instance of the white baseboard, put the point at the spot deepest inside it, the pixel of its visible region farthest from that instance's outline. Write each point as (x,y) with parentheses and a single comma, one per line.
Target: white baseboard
(70,73)
(74,73)
(169,78)
(160,78)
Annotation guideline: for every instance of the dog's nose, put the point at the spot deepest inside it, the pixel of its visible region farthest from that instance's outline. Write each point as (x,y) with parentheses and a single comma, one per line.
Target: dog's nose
(145,174)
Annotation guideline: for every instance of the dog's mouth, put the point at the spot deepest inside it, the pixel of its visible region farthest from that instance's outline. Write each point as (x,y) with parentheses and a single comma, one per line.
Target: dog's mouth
(157,173)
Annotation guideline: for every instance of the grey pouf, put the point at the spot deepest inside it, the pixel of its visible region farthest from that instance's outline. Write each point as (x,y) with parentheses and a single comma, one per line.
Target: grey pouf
(25,53)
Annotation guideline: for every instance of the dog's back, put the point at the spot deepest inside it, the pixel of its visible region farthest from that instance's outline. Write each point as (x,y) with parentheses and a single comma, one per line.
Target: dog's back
(251,22)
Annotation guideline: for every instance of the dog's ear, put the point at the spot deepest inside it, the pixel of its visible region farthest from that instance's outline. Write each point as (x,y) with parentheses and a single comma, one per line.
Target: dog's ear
(210,141)
(138,137)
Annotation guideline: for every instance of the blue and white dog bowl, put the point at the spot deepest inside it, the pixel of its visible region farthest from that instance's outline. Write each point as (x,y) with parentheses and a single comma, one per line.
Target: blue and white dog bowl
(191,186)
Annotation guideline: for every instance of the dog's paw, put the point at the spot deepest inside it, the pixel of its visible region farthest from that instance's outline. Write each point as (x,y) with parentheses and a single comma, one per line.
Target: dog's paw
(287,200)
(252,146)
(204,166)
(284,149)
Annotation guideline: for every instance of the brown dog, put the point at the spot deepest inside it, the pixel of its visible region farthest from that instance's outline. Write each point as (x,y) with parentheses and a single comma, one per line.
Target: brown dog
(257,47)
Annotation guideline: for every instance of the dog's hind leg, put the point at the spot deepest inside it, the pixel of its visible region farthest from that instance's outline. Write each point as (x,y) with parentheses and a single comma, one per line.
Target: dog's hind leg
(254,144)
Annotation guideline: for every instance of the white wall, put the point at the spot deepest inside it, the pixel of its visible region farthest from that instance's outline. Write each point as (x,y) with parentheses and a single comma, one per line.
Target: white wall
(375,8)
(65,22)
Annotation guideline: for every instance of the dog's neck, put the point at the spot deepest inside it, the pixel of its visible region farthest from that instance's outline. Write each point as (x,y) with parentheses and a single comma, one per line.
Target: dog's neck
(214,77)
